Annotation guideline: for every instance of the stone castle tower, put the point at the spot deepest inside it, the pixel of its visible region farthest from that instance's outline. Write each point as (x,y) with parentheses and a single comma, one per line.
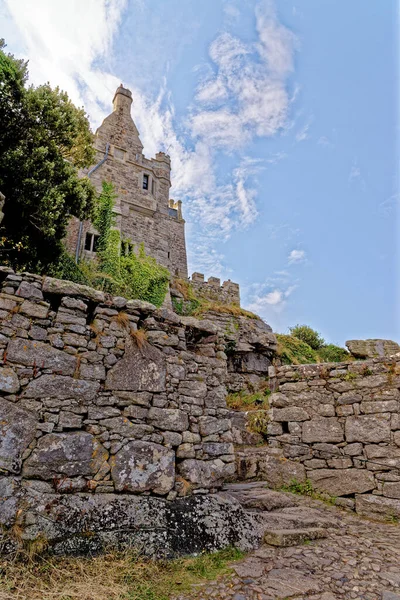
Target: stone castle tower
(144,211)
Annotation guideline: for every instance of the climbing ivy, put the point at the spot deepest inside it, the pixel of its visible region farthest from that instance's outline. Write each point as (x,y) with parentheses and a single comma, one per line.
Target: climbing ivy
(120,268)
(133,275)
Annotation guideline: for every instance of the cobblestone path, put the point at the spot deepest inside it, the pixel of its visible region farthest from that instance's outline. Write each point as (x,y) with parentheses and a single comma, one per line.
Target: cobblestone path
(359,560)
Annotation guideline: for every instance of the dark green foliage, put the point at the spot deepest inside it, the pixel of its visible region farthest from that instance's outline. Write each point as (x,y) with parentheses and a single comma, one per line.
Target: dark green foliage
(185,307)
(133,275)
(332,353)
(44,139)
(308,336)
(66,268)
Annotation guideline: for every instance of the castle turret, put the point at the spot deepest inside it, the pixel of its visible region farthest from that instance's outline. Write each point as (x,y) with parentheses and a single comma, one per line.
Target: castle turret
(143,213)
(122,99)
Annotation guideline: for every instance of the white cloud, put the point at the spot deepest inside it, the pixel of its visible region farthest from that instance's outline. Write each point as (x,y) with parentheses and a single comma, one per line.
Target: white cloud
(270,303)
(296,256)
(70,45)
(250,80)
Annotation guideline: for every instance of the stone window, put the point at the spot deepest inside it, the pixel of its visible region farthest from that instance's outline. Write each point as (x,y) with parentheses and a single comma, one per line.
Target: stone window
(91,242)
(119,154)
(145,181)
(153,186)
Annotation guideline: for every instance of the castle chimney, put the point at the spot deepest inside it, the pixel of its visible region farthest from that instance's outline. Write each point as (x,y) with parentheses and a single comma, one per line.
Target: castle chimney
(122,99)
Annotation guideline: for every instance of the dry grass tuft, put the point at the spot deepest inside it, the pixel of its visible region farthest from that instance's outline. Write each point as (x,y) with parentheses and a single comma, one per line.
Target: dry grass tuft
(230,309)
(122,318)
(139,336)
(113,576)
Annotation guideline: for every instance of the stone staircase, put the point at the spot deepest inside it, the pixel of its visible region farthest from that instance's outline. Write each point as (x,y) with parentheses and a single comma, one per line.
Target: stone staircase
(281,519)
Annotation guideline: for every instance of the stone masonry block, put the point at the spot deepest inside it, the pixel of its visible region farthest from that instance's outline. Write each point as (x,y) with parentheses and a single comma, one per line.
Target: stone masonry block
(324,429)
(368,428)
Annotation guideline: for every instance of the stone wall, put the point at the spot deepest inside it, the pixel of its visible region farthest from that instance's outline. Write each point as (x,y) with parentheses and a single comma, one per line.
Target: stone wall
(100,396)
(250,346)
(227,293)
(337,425)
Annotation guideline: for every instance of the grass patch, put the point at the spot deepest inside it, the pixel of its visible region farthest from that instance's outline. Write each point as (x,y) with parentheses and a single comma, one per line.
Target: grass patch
(306,489)
(258,422)
(192,304)
(293,351)
(113,576)
(243,401)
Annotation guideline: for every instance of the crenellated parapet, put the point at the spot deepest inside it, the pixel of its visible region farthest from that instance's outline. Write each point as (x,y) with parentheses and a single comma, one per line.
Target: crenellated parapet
(227,293)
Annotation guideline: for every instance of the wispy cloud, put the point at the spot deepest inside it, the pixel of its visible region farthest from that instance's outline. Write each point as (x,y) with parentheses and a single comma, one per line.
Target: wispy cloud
(324,141)
(303,134)
(296,257)
(356,176)
(269,300)
(244,95)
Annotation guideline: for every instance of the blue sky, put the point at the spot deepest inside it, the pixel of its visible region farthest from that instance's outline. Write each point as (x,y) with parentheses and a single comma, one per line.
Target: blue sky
(281,119)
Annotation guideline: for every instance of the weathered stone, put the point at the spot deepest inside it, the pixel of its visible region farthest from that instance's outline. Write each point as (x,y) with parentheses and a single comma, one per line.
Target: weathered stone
(140,370)
(379,406)
(67,288)
(37,311)
(285,583)
(218,448)
(353,449)
(9,382)
(17,430)
(143,466)
(324,429)
(93,371)
(60,387)
(69,420)
(205,474)
(102,412)
(27,290)
(391,489)
(372,348)
(275,469)
(289,537)
(70,454)
(338,482)
(291,413)
(212,425)
(135,412)
(126,428)
(366,429)
(377,507)
(41,355)
(171,419)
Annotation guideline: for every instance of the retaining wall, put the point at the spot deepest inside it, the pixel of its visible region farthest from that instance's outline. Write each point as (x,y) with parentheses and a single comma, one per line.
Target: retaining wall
(337,425)
(102,399)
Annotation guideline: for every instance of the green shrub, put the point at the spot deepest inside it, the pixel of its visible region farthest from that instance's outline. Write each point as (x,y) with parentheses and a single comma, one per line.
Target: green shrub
(308,336)
(293,351)
(332,353)
(66,268)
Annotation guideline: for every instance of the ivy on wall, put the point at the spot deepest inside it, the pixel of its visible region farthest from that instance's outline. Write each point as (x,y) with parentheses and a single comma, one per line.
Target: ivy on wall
(120,268)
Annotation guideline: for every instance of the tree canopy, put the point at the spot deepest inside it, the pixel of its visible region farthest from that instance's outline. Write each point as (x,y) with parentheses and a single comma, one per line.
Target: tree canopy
(44,140)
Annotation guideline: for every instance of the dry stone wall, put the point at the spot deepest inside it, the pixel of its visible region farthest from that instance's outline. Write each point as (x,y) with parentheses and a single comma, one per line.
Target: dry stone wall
(337,425)
(102,400)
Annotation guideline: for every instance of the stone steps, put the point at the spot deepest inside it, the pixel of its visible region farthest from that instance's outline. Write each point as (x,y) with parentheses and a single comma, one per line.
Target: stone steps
(280,518)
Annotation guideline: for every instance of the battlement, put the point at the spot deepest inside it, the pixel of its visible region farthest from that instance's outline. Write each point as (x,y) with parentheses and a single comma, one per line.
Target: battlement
(227,293)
